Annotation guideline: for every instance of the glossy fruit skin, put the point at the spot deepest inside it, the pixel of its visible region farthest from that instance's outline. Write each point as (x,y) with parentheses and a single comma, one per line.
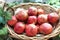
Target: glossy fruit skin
(53,17)
(32,20)
(42,18)
(31,30)
(32,11)
(45,28)
(12,22)
(40,11)
(19,27)
(22,15)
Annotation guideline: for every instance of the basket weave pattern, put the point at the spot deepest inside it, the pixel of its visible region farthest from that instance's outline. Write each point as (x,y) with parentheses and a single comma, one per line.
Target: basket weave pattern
(48,9)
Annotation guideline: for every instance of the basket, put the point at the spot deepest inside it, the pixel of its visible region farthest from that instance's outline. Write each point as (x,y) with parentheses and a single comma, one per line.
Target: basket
(48,9)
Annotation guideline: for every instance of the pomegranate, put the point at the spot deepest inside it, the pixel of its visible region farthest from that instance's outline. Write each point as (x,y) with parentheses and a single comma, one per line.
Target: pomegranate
(19,27)
(45,28)
(32,11)
(42,18)
(53,17)
(31,30)
(40,11)
(13,21)
(32,19)
(22,15)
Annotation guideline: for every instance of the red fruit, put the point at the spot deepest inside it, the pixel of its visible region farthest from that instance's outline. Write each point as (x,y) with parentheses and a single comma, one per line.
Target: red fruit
(19,9)
(45,28)
(53,17)
(38,27)
(19,27)
(32,19)
(31,30)
(42,18)
(26,11)
(22,15)
(32,11)
(40,11)
(13,21)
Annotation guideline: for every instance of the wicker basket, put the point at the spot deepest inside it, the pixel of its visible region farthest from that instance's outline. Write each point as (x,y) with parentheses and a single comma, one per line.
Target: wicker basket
(48,9)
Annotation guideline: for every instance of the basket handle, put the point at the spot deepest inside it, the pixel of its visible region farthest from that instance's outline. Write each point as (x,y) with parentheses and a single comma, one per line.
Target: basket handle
(12,10)
(6,8)
(58,10)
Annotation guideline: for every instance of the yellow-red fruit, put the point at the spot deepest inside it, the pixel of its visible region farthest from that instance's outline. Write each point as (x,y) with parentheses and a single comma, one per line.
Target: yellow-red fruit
(45,28)
(32,20)
(42,18)
(13,21)
(31,30)
(38,28)
(40,11)
(22,15)
(53,17)
(19,27)
(32,11)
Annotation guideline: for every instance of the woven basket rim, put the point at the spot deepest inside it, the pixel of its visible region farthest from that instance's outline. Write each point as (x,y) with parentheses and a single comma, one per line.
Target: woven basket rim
(14,35)
(33,4)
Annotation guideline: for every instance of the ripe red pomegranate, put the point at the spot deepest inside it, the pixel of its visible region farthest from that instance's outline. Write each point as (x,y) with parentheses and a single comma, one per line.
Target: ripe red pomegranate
(19,27)
(31,30)
(45,28)
(42,18)
(40,11)
(53,17)
(32,11)
(32,20)
(22,15)
(13,21)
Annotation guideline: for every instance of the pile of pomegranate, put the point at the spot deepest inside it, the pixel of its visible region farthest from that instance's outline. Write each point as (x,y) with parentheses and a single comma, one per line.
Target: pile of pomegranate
(33,21)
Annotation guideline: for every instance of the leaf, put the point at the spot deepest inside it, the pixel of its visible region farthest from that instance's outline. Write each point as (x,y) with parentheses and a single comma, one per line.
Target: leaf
(3,31)
(1,38)
(13,4)
(54,3)
(1,26)
(4,16)
(56,38)
(1,19)
(7,16)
